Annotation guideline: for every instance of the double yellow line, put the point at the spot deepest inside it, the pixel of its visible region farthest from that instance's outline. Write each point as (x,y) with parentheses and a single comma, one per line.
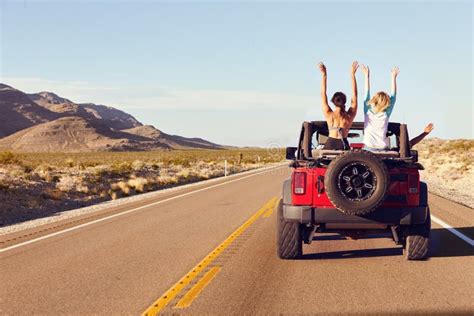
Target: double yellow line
(188,298)
(271,205)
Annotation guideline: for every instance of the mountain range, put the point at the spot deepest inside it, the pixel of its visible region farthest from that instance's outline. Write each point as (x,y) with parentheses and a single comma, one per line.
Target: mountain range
(46,122)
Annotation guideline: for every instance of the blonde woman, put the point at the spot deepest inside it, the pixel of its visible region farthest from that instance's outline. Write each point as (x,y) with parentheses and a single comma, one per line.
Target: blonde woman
(339,120)
(377,111)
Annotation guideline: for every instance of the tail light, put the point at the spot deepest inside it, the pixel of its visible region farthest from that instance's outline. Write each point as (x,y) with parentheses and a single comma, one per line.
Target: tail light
(299,183)
(413,183)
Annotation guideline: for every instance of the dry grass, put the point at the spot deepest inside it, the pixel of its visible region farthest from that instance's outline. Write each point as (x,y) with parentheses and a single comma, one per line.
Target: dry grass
(44,183)
(449,168)
(8,158)
(126,159)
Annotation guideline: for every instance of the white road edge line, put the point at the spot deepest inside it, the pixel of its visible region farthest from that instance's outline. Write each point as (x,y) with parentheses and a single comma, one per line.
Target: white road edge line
(453,230)
(134,210)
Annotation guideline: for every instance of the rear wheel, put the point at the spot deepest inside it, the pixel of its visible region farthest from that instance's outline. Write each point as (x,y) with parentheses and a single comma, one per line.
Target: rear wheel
(289,236)
(417,240)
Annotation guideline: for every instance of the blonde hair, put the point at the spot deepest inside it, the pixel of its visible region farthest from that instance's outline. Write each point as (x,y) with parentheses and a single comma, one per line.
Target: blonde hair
(379,102)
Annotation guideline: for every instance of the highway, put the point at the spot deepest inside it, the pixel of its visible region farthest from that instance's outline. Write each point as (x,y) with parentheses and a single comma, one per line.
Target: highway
(210,249)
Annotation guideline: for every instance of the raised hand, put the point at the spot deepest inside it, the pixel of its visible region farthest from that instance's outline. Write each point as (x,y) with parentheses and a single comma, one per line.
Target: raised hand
(322,68)
(365,69)
(395,72)
(354,67)
(428,128)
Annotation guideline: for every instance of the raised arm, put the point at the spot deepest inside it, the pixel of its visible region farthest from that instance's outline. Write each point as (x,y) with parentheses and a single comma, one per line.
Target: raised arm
(353,108)
(393,96)
(420,137)
(324,98)
(366,71)
(395,72)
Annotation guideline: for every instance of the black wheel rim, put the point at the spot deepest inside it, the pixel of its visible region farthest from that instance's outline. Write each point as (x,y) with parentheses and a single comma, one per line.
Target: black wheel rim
(357,181)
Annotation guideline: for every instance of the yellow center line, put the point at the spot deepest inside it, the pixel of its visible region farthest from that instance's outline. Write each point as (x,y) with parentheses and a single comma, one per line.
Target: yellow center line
(170,294)
(272,207)
(189,297)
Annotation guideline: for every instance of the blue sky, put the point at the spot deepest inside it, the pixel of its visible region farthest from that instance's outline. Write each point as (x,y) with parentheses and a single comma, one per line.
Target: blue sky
(242,73)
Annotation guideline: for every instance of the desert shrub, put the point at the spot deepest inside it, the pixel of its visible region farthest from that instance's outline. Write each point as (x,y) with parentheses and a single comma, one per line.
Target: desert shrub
(100,171)
(181,161)
(48,176)
(4,186)
(464,167)
(121,186)
(165,180)
(103,193)
(69,162)
(138,165)
(27,168)
(122,167)
(183,174)
(43,168)
(155,165)
(458,146)
(18,173)
(69,183)
(9,158)
(87,163)
(52,194)
(82,188)
(44,171)
(113,194)
(138,184)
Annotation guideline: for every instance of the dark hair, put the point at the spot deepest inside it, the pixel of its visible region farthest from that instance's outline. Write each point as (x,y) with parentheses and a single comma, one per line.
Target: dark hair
(339,99)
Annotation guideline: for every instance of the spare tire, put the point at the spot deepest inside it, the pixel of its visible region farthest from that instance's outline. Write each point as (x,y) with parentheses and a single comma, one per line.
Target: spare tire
(356,182)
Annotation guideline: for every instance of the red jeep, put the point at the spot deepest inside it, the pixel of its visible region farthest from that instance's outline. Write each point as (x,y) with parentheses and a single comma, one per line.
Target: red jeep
(353,192)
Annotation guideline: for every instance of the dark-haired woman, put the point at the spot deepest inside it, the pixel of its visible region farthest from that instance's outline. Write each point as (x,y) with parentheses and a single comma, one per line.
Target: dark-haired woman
(339,120)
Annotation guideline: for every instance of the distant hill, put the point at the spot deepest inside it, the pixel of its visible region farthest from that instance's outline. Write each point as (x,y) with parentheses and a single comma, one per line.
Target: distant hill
(114,118)
(73,134)
(173,141)
(44,121)
(18,112)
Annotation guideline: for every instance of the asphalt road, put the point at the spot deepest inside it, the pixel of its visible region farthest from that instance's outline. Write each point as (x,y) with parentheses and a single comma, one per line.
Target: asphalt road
(210,249)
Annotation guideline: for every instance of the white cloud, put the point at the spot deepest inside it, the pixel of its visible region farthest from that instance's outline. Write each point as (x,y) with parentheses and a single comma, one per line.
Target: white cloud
(160,97)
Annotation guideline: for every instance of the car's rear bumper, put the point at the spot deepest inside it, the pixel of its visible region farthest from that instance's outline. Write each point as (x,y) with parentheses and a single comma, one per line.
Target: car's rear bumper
(389,216)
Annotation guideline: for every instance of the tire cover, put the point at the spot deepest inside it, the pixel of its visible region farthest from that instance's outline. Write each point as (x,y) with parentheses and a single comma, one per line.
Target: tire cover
(356,182)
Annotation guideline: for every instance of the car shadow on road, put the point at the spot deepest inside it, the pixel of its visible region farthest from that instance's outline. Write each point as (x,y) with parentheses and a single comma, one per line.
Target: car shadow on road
(355,253)
(443,243)
(318,237)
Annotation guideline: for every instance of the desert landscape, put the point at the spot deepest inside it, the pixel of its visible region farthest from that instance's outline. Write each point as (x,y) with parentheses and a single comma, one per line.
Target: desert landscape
(58,155)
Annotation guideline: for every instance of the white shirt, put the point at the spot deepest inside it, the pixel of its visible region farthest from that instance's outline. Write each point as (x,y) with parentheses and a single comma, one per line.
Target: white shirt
(375,130)
(376,124)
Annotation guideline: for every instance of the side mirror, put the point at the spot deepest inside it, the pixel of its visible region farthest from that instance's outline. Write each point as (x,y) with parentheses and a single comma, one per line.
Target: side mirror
(291,153)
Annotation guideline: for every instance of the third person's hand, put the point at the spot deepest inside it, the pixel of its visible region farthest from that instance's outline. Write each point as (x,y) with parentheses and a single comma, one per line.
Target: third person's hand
(428,128)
